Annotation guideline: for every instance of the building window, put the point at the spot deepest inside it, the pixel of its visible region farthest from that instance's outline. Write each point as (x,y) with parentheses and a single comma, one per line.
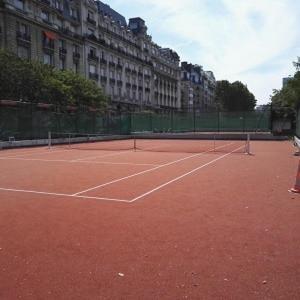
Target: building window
(59,23)
(90,15)
(93,52)
(23,28)
(91,31)
(103,72)
(62,63)
(75,48)
(20,4)
(76,67)
(58,5)
(73,13)
(62,44)
(23,52)
(45,16)
(92,69)
(48,59)
(47,41)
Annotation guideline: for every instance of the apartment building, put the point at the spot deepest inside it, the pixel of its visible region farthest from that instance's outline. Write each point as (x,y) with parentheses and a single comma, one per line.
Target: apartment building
(92,39)
(197,88)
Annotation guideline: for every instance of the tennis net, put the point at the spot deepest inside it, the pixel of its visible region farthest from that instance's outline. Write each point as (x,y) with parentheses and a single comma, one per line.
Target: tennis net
(180,143)
(83,141)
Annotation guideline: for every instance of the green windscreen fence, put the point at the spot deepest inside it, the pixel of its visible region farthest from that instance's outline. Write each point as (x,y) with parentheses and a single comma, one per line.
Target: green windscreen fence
(29,122)
(202,122)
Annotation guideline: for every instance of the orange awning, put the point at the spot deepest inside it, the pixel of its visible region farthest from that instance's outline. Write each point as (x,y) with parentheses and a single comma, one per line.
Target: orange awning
(50,35)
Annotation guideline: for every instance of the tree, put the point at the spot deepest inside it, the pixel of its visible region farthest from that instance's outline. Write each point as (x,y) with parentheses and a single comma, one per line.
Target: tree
(297,64)
(234,96)
(35,82)
(289,95)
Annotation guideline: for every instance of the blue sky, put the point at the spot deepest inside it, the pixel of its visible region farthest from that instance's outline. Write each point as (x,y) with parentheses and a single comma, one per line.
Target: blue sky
(254,41)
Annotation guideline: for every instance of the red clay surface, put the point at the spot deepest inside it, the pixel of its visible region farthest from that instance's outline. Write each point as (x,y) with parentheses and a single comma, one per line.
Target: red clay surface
(229,230)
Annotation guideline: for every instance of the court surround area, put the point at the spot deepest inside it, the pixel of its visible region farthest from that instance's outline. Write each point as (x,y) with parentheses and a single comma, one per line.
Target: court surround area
(162,219)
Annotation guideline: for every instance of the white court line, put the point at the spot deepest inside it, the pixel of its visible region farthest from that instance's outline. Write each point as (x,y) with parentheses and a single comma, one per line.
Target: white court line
(184,175)
(62,195)
(147,171)
(105,155)
(20,152)
(72,161)
(35,153)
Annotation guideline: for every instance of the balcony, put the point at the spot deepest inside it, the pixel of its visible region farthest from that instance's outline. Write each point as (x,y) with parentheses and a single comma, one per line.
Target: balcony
(103,79)
(48,45)
(92,56)
(74,19)
(62,52)
(112,64)
(23,36)
(119,66)
(103,61)
(101,41)
(91,21)
(76,55)
(119,83)
(92,37)
(47,2)
(128,70)
(93,76)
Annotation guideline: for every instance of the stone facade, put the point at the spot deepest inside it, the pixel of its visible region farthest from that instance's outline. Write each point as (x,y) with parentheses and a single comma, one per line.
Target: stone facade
(91,39)
(197,88)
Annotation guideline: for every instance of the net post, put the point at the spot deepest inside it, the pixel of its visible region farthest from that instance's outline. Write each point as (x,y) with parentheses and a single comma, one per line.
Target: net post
(214,142)
(134,143)
(49,140)
(248,144)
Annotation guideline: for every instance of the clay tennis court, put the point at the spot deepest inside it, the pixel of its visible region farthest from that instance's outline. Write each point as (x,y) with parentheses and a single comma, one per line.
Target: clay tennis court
(130,224)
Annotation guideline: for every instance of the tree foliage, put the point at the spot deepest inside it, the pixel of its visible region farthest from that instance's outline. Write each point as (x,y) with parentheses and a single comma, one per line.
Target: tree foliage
(289,95)
(234,96)
(35,82)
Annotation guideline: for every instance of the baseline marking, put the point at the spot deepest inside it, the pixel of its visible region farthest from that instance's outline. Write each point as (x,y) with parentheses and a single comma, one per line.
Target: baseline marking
(105,155)
(147,171)
(63,195)
(184,175)
(20,152)
(72,161)
(28,154)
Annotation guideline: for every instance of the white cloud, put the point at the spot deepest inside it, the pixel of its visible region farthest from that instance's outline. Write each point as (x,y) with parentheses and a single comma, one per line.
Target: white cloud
(228,37)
